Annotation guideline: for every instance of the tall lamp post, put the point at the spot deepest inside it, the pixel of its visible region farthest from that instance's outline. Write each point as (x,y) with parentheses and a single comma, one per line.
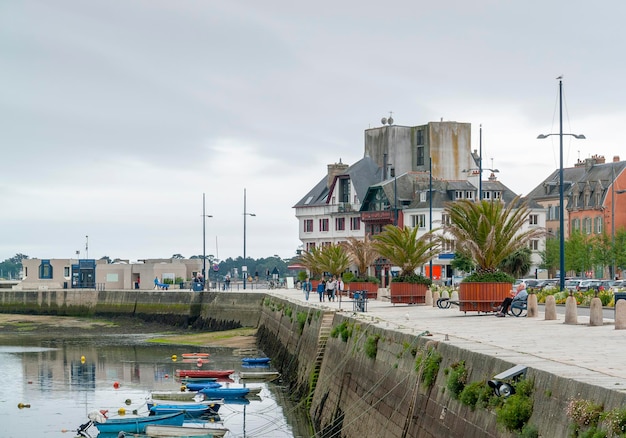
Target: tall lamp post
(245,213)
(204,216)
(430,209)
(561,184)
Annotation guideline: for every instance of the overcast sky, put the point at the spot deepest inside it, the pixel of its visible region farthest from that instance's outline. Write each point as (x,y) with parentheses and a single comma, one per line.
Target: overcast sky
(116,115)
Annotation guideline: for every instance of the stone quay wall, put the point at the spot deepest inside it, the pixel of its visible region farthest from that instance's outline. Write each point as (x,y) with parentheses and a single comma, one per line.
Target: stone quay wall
(356,377)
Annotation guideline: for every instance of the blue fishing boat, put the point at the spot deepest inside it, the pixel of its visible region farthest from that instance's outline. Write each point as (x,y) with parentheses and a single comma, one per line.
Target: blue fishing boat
(255,360)
(192,410)
(213,404)
(197,386)
(225,393)
(138,424)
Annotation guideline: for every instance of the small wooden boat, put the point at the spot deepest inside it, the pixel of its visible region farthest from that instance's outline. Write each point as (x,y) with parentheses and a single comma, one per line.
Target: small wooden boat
(204,373)
(259,375)
(197,386)
(177,396)
(225,393)
(188,431)
(195,355)
(139,424)
(253,391)
(214,403)
(255,360)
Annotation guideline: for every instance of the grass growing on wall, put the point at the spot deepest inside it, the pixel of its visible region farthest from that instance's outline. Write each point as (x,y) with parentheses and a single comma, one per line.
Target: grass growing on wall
(427,363)
(302,319)
(457,378)
(517,409)
(371,346)
(344,329)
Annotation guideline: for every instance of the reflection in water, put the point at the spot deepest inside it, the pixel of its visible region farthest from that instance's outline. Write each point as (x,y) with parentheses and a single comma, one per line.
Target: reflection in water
(65,379)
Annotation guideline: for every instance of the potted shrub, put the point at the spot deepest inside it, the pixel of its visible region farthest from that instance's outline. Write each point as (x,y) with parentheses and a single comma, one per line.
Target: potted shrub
(487,232)
(362,254)
(403,249)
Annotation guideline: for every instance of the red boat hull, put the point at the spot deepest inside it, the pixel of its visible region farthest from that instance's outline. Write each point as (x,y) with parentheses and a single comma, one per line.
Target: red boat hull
(204,373)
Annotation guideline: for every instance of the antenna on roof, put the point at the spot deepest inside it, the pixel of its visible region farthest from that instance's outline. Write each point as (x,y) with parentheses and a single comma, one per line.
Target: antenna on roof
(387,121)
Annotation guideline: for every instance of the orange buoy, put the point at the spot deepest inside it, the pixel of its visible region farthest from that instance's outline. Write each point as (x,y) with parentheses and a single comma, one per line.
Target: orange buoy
(116,385)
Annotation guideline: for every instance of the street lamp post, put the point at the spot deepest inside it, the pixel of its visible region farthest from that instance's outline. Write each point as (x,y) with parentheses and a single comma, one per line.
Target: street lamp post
(430,209)
(204,216)
(561,188)
(245,213)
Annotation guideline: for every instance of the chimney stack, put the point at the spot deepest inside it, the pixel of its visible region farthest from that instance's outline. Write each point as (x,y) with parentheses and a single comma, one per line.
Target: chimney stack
(334,170)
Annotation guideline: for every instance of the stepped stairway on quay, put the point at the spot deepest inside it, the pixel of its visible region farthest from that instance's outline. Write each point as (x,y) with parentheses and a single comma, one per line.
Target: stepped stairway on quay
(325,329)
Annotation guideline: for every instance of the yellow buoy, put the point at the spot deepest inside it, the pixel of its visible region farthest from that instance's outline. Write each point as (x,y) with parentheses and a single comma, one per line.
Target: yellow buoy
(82,359)
(174,357)
(23,405)
(121,411)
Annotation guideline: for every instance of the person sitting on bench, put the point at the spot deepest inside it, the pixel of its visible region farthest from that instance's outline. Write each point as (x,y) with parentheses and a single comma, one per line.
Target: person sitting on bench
(519,295)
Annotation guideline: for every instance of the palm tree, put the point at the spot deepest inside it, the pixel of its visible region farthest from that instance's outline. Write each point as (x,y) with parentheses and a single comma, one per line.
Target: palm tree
(333,259)
(488,232)
(517,264)
(310,260)
(402,248)
(361,253)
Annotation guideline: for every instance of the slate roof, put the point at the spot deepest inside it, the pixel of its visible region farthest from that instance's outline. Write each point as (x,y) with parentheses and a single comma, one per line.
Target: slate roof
(595,179)
(363,174)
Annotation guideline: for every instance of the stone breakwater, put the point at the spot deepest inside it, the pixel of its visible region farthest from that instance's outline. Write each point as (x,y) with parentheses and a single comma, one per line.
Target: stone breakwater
(357,376)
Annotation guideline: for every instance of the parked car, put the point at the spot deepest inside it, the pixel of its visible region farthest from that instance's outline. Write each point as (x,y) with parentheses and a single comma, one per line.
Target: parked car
(530,282)
(590,285)
(573,285)
(618,286)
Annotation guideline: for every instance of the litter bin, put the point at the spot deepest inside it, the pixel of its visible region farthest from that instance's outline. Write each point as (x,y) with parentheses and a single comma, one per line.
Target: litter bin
(136,285)
(181,285)
(619,296)
(65,285)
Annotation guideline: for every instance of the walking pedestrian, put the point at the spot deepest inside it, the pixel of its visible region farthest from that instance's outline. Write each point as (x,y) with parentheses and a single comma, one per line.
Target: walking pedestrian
(306,288)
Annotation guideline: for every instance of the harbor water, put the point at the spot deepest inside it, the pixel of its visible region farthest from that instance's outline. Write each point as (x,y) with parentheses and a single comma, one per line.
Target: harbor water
(48,387)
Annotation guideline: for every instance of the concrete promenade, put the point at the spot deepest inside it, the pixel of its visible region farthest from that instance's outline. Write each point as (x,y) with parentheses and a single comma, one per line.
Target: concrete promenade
(593,355)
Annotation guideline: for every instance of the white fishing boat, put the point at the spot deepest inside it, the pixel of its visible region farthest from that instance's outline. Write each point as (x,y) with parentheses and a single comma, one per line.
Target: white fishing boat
(195,431)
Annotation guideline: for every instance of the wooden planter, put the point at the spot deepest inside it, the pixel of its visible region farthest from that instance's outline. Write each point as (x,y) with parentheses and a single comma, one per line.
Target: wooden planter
(408,293)
(371,288)
(482,297)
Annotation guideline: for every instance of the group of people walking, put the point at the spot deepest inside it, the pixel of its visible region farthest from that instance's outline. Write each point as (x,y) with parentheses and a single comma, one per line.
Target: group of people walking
(326,289)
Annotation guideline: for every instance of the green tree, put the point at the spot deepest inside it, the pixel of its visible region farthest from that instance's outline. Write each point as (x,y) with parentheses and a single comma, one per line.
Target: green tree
(488,232)
(11,267)
(550,257)
(462,263)
(601,253)
(620,248)
(578,250)
(518,263)
(403,249)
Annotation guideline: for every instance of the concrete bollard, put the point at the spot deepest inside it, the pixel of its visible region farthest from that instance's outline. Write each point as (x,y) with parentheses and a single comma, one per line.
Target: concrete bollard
(531,304)
(454,296)
(429,297)
(595,312)
(435,297)
(571,311)
(620,315)
(550,308)
(445,294)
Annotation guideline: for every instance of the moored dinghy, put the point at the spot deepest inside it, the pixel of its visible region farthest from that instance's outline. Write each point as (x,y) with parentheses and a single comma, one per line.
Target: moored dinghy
(255,360)
(175,431)
(131,424)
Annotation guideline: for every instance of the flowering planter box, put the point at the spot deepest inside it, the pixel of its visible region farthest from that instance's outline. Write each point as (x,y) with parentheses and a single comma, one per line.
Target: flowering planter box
(371,288)
(482,297)
(408,293)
